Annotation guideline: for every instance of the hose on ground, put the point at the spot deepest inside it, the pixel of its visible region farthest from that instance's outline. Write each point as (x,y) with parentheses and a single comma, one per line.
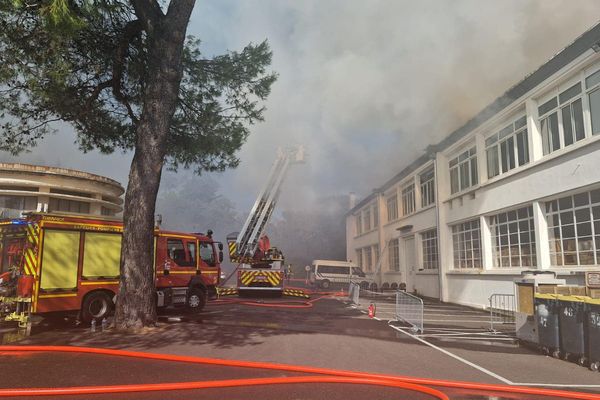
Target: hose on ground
(322,375)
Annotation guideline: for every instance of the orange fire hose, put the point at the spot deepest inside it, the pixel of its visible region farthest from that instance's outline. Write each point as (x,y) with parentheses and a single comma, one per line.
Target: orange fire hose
(278,304)
(324,375)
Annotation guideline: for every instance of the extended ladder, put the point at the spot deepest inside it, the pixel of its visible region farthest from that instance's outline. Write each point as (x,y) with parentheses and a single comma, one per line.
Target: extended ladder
(254,227)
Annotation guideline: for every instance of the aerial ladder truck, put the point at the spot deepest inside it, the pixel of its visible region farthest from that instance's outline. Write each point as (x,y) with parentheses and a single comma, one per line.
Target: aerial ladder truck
(260,266)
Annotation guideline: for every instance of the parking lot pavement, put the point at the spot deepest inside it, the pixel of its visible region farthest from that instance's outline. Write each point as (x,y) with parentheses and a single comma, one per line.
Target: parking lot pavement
(332,334)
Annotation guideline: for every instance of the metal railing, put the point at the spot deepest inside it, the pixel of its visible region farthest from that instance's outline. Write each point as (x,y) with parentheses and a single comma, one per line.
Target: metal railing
(502,309)
(409,309)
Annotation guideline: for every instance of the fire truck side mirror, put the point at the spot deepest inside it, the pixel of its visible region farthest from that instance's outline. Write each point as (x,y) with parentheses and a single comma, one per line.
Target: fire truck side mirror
(220,246)
(220,256)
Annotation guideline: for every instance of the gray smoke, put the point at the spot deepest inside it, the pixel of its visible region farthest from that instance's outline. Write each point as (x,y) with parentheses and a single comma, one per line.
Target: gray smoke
(364,85)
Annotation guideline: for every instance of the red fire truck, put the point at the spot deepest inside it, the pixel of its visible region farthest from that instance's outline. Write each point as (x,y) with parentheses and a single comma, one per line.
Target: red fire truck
(54,262)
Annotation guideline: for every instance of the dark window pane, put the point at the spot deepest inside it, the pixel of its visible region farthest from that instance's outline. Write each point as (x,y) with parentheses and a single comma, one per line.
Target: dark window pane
(554,132)
(464,176)
(568,231)
(596,212)
(581,199)
(524,236)
(492,162)
(565,203)
(595,195)
(522,148)
(523,226)
(586,258)
(582,215)
(474,176)
(521,122)
(566,217)
(584,229)
(570,93)
(594,98)
(522,213)
(512,215)
(547,106)
(454,180)
(570,258)
(567,125)
(506,131)
(592,80)
(578,120)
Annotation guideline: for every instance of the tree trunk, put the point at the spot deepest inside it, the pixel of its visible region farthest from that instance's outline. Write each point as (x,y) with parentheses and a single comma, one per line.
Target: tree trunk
(136,305)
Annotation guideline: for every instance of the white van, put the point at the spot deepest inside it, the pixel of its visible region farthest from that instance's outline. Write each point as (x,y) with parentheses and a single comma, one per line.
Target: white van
(325,273)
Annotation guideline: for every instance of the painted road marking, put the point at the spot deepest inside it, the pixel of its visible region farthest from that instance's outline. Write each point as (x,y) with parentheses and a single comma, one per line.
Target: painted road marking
(464,361)
(490,373)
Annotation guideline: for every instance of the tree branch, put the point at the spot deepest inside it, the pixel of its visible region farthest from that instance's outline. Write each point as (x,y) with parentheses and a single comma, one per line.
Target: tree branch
(149,12)
(96,92)
(132,29)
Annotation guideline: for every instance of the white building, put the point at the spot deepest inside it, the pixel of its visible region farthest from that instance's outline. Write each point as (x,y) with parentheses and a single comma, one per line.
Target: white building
(25,187)
(516,188)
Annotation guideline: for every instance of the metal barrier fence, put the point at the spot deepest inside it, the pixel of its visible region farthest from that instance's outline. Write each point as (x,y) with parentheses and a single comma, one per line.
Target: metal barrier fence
(409,309)
(384,303)
(502,309)
(354,293)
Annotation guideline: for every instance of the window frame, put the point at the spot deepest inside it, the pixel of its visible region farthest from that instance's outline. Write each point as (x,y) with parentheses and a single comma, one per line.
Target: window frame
(562,219)
(467,159)
(394,255)
(494,146)
(408,198)
(367,219)
(594,88)
(548,145)
(430,260)
(427,187)
(393,198)
(368,256)
(507,235)
(464,234)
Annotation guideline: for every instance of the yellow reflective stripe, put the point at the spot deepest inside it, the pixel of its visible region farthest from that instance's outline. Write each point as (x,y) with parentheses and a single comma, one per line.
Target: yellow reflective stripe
(50,296)
(232,248)
(272,279)
(79,225)
(36,286)
(30,262)
(208,272)
(90,283)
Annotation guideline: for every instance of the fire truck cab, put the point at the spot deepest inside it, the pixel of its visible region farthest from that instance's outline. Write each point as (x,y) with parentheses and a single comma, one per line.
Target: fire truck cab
(64,263)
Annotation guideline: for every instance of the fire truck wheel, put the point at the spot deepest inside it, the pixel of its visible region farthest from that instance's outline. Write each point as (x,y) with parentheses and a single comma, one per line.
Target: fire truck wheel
(97,305)
(196,300)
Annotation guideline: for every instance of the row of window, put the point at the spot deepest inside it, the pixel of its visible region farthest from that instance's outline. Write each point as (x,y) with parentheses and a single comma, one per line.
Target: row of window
(573,224)
(426,182)
(367,257)
(429,255)
(367,220)
(561,122)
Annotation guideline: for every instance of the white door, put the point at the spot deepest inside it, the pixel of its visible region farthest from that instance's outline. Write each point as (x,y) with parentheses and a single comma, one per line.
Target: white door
(410,261)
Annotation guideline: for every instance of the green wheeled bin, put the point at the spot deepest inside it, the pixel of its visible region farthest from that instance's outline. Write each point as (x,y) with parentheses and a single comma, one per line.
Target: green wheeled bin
(593,333)
(546,317)
(571,314)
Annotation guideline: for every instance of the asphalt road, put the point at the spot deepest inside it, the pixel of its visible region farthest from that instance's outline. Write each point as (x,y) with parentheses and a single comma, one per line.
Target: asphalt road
(328,334)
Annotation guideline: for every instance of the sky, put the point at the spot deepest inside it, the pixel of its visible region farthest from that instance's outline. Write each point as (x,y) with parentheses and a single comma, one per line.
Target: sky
(365,86)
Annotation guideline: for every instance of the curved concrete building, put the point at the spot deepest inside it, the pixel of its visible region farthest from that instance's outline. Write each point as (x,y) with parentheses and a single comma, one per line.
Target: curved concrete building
(25,187)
